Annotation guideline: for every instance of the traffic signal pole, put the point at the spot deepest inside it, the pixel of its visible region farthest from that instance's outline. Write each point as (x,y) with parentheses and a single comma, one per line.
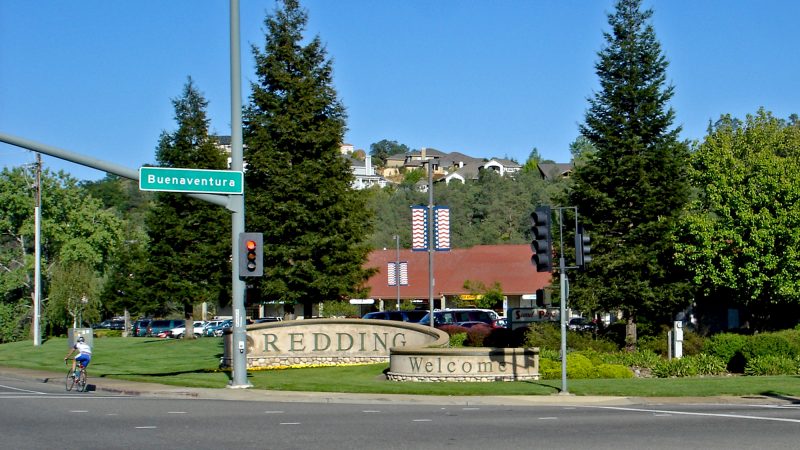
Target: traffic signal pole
(239,334)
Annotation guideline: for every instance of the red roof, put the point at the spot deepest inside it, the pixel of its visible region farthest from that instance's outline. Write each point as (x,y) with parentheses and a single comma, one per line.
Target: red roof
(509,265)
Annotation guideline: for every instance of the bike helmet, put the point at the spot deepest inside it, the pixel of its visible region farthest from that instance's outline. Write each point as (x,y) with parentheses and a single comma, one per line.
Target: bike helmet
(81,339)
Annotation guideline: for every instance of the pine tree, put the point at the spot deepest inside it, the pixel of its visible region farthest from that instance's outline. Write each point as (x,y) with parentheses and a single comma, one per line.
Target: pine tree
(630,191)
(190,244)
(298,185)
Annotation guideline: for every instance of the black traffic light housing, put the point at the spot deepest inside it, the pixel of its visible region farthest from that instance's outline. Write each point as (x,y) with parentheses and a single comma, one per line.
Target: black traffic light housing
(583,248)
(251,255)
(540,298)
(542,244)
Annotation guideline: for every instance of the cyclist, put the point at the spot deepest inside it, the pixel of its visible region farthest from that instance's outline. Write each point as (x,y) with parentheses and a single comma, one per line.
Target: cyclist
(85,353)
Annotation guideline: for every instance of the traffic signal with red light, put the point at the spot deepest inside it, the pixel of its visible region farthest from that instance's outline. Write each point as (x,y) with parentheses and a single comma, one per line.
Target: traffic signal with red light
(251,255)
(542,244)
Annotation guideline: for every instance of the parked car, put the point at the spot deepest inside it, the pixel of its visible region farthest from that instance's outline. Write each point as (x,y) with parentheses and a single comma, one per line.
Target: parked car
(454,316)
(163,327)
(139,327)
(198,325)
(110,324)
(500,323)
(405,316)
(268,319)
(581,324)
(216,327)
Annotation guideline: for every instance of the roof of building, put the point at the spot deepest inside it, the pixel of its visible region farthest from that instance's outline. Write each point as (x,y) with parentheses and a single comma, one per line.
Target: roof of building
(509,265)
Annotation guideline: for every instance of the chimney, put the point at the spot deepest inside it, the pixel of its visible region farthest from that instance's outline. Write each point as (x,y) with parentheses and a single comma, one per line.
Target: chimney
(368,166)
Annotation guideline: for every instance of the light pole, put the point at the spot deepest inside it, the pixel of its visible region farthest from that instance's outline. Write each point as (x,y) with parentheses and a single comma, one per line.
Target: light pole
(430,240)
(397,269)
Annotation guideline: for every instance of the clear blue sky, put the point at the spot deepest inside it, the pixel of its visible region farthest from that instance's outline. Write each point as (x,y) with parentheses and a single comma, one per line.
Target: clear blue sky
(483,77)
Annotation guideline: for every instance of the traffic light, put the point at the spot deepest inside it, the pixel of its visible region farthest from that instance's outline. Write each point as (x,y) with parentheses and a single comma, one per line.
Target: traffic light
(540,298)
(583,248)
(251,255)
(542,243)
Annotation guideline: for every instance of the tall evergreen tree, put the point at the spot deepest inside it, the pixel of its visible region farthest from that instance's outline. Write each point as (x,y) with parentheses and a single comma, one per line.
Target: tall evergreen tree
(630,191)
(189,239)
(298,186)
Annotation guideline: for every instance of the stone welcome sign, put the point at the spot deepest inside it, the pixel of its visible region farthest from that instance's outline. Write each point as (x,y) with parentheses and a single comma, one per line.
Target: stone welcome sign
(320,342)
(467,364)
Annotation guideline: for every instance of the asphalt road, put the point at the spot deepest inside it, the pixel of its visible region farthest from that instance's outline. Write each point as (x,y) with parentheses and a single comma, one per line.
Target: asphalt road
(41,415)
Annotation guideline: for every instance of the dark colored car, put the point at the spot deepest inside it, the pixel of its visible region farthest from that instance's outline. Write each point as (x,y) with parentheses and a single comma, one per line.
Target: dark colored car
(456,316)
(163,327)
(139,327)
(404,316)
(110,324)
(581,324)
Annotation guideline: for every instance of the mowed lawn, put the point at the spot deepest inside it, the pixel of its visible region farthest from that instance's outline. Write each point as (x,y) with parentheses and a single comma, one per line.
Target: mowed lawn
(195,363)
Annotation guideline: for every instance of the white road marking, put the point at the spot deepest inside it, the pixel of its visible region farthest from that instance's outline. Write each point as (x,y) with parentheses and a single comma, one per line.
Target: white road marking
(370,411)
(176,412)
(147,428)
(470,409)
(18,389)
(79,411)
(273,412)
(422,420)
(687,413)
(290,423)
(548,418)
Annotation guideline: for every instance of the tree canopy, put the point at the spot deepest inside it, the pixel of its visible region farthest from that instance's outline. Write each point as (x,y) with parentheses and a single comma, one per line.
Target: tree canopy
(298,187)
(632,188)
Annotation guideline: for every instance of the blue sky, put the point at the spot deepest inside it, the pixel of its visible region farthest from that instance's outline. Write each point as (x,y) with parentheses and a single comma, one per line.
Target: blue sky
(482,77)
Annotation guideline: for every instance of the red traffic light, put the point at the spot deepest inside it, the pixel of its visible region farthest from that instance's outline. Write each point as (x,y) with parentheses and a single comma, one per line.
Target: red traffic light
(251,245)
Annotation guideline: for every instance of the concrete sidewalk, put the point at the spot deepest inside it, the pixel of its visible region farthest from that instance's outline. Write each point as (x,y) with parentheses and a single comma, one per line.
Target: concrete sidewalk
(131,388)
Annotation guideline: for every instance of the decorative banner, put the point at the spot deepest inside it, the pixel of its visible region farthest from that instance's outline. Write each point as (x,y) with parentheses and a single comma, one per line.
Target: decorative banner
(441,230)
(403,273)
(419,228)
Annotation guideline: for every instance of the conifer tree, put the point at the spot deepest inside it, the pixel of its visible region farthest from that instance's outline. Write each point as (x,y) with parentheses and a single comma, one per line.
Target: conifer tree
(298,186)
(632,188)
(189,239)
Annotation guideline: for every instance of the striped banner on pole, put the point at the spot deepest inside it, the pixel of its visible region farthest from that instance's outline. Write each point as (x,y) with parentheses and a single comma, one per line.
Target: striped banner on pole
(419,228)
(441,227)
(403,273)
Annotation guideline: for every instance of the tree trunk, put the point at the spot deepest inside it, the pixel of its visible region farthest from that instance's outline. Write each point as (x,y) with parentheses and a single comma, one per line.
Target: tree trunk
(189,319)
(630,333)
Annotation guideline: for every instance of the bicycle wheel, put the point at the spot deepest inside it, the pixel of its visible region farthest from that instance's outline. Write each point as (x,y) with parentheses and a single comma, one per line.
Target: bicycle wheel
(70,380)
(82,381)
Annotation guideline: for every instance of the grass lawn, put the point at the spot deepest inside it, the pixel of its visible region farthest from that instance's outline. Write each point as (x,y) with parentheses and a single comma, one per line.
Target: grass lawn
(194,363)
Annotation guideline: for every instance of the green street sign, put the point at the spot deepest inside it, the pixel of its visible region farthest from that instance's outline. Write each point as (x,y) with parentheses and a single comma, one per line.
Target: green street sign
(169,179)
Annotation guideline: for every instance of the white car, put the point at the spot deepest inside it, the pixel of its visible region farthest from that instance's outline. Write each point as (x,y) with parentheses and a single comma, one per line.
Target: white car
(198,329)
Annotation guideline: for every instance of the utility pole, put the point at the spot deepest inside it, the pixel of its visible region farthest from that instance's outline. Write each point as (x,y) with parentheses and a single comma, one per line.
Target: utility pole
(430,240)
(397,270)
(37,255)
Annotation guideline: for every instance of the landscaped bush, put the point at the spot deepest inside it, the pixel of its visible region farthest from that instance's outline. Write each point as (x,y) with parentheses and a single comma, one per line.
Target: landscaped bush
(768,344)
(458,335)
(548,335)
(640,359)
(477,334)
(579,366)
(708,364)
(728,347)
(771,365)
(680,367)
(613,371)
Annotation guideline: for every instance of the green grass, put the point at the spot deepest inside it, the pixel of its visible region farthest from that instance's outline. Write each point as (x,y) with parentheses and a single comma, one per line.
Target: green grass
(195,364)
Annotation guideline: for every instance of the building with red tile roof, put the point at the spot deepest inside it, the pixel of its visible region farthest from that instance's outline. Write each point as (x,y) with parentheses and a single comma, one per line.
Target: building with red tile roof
(508,265)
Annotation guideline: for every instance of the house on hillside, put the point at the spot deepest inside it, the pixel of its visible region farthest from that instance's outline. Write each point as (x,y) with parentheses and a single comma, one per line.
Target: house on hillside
(555,171)
(364,175)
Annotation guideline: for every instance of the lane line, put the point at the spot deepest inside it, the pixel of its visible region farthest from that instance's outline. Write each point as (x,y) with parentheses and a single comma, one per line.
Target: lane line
(370,411)
(687,413)
(149,427)
(273,412)
(290,423)
(422,420)
(177,412)
(18,389)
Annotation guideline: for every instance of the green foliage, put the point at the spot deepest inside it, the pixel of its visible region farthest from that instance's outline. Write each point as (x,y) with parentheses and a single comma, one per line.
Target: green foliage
(679,367)
(580,366)
(74,297)
(725,345)
(385,148)
(768,344)
(640,359)
(772,365)
(333,308)
(486,297)
(613,371)
(12,321)
(476,335)
(740,237)
(458,339)
(708,364)
(298,186)
(632,187)
(548,335)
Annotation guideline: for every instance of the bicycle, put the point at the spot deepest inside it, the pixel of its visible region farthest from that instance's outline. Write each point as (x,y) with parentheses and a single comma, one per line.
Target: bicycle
(72,380)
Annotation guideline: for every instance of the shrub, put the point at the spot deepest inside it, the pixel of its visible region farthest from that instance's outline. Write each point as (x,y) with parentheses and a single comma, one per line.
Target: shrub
(477,334)
(543,335)
(458,339)
(579,366)
(549,369)
(613,371)
(768,344)
(771,365)
(708,364)
(728,347)
(645,359)
(681,367)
